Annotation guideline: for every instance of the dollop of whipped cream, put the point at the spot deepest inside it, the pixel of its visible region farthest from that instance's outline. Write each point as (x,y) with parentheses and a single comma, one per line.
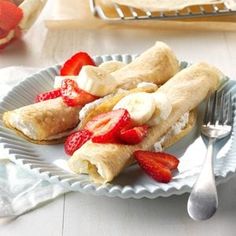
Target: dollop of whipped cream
(174,130)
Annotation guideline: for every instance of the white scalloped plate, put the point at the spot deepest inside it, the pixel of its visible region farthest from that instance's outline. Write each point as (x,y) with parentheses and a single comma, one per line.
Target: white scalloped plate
(49,161)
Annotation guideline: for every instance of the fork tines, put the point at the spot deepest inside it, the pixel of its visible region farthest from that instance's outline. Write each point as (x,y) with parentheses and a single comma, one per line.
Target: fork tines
(219,109)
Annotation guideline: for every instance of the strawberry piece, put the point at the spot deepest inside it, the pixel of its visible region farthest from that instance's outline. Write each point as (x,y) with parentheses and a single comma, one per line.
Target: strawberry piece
(106,126)
(156,170)
(10,15)
(76,140)
(134,135)
(168,160)
(3,33)
(48,95)
(72,95)
(75,63)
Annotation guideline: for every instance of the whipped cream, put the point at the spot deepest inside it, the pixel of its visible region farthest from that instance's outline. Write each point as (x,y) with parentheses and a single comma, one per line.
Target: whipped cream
(174,130)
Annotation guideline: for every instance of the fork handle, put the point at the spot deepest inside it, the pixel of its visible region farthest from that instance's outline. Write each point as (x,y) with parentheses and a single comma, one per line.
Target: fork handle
(203,200)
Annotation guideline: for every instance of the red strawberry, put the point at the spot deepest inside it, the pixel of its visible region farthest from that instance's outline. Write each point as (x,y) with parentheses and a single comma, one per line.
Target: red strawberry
(48,95)
(157,165)
(106,126)
(10,15)
(75,63)
(154,169)
(3,33)
(134,135)
(166,159)
(76,140)
(72,95)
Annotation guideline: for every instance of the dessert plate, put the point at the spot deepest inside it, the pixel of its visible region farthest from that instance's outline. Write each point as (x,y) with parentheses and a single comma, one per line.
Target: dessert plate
(49,161)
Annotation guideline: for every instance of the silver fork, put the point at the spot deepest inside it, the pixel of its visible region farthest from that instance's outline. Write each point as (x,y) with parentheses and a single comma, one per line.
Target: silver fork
(217,124)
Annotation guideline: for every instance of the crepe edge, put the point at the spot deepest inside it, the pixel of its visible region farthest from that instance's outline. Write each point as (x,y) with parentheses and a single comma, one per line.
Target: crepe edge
(5,119)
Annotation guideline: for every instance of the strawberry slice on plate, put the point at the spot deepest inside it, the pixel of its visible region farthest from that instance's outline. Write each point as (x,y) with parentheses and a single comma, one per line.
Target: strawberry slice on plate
(156,170)
(72,95)
(106,126)
(10,15)
(48,95)
(156,164)
(75,63)
(164,158)
(134,135)
(76,140)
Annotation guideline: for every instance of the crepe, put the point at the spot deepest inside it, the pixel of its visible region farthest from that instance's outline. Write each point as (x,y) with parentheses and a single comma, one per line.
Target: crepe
(156,65)
(44,122)
(186,90)
(49,122)
(163,5)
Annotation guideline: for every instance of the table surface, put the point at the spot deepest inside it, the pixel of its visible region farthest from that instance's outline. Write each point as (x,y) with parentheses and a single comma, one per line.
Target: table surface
(82,214)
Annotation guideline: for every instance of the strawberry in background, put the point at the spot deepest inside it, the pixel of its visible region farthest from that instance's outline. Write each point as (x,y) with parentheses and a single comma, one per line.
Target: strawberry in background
(10,17)
(14,19)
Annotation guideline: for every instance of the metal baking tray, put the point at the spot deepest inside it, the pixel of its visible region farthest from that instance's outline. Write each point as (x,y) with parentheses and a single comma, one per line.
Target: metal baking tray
(119,13)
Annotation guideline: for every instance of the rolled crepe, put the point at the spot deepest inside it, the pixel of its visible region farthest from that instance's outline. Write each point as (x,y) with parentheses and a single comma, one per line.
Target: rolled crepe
(186,90)
(163,5)
(47,122)
(44,121)
(156,65)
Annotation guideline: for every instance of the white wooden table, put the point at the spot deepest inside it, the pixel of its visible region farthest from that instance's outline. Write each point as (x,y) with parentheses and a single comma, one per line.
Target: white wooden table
(81,214)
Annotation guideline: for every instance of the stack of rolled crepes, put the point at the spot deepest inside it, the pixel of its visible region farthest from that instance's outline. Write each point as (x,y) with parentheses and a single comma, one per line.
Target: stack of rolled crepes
(48,122)
(186,90)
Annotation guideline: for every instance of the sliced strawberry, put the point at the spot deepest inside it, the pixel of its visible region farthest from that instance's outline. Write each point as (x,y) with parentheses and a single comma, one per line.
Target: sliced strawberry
(17,34)
(106,126)
(134,135)
(72,95)
(166,159)
(10,15)
(76,140)
(48,95)
(3,33)
(156,170)
(75,63)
